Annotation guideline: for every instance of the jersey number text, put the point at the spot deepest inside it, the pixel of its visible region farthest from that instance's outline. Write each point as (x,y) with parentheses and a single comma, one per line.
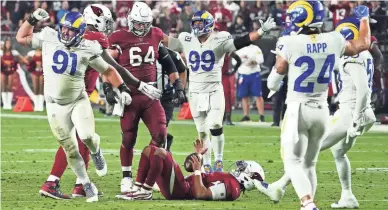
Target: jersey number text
(207,58)
(137,60)
(61,59)
(309,88)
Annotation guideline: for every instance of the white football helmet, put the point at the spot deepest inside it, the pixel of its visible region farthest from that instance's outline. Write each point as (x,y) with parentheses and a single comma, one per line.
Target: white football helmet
(100,17)
(246,171)
(140,19)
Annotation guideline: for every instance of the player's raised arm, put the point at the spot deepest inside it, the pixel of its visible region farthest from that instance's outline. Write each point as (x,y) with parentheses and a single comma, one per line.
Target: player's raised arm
(354,47)
(172,43)
(24,35)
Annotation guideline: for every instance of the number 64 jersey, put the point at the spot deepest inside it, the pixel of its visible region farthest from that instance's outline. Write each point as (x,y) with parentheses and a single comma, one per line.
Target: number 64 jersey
(311,61)
(64,68)
(205,60)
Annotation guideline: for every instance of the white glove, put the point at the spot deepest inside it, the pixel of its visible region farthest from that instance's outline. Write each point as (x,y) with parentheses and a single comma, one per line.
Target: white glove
(40,14)
(150,91)
(267,26)
(125,98)
(356,127)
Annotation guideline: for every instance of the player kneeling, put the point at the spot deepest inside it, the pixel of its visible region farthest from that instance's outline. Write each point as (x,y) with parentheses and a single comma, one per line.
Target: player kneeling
(158,166)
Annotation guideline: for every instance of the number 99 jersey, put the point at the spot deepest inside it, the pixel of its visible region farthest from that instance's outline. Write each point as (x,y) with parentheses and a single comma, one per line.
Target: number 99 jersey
(346,83)
(311,61)
(205,60)
(64,68)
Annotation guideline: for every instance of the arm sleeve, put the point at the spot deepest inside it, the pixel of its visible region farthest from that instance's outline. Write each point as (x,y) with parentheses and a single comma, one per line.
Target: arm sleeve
(97,63)
(166,61)
(237,59)
(274,80)
(179,64)
(175,43)
(359,75)
(218,192)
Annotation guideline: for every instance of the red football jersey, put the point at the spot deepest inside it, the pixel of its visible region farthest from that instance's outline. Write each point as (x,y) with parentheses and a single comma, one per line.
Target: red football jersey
(232,186)
(139,54)
(98,36)
(340,11)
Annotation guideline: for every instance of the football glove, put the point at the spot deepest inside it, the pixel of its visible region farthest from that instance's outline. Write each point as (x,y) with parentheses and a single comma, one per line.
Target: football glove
(38,15)
(150,91)
(110,95)
(179,96)
(266,26)
(357,127)
(125,98)
(361,12)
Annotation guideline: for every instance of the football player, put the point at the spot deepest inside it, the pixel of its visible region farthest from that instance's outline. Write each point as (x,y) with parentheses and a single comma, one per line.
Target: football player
(158,166)
(66,56)
(204,50)
(137,49)
(310,57)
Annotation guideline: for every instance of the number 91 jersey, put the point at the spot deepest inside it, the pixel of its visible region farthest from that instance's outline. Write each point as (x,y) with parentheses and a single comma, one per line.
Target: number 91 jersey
(311,61)
(205,60)
(64,68)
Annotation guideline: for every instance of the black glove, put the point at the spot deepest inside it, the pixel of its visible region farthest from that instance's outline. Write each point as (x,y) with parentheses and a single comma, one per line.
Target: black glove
(168,93)
(110,94)
(179,96)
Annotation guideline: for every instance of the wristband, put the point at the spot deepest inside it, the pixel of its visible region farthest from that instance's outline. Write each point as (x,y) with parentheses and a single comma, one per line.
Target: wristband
(197,173)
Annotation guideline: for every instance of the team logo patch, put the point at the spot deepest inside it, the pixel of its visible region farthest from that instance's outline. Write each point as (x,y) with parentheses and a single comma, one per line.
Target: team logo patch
(188,38)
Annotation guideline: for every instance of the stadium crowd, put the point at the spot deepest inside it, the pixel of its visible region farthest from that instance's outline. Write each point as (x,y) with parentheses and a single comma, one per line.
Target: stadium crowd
(237,17)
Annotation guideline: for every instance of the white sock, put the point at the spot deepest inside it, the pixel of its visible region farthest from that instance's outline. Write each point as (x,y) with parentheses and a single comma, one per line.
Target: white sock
(344,174)
(41,102)
(299,179)
(283,181)
(10,97)
(52,178)
(218,143)
(207,158)
(78,181)
(309,203)
(35,99)
(126,168)
(4,98)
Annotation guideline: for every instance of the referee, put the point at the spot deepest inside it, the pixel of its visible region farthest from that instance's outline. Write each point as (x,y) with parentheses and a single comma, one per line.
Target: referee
(167,99)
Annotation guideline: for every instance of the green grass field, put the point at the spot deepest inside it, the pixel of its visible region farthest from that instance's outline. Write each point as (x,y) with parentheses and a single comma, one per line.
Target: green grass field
(28,148)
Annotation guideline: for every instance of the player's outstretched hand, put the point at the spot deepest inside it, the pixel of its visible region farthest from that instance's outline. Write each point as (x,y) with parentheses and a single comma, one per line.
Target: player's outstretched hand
(195,163)
(361,11)
(266,26)
(198,147)
(150,91)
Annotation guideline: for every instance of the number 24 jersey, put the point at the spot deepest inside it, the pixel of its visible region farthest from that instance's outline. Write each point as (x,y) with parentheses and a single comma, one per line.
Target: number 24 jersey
(311,61)
(205,60)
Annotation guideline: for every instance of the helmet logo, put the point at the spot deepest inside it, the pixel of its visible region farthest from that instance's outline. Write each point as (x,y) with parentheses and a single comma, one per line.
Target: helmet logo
(97,11)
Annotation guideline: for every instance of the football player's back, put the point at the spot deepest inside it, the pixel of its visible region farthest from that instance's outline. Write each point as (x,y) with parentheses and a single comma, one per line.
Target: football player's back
(311,61)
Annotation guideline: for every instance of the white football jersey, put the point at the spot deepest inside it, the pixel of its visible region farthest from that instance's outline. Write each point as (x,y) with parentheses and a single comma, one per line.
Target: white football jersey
(205,60)
(347,87)
(247,55)
(64,68)
(311,61)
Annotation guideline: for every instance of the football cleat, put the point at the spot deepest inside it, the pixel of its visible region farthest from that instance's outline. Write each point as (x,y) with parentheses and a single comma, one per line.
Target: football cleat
(126,185)
(347,202)
(245,119)
(91,192)
(262,118)
(78,191)
(218,166)
(140,194)
(52,190)
(274,192)
(100,163)
(207,169)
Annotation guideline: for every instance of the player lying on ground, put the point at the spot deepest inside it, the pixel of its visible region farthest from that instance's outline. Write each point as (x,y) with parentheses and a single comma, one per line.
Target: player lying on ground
(311,57)
(354,117)
(66,56)
(204,50)
(158,166)
(138,49)
(99,22)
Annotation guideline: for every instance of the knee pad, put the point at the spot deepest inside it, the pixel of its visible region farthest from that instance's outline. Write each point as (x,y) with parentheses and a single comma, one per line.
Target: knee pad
(216,132)
(128,139)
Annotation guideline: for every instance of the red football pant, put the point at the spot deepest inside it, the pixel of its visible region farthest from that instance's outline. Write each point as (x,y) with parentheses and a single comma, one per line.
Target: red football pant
(153,116)
(228,83)
(60,162)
